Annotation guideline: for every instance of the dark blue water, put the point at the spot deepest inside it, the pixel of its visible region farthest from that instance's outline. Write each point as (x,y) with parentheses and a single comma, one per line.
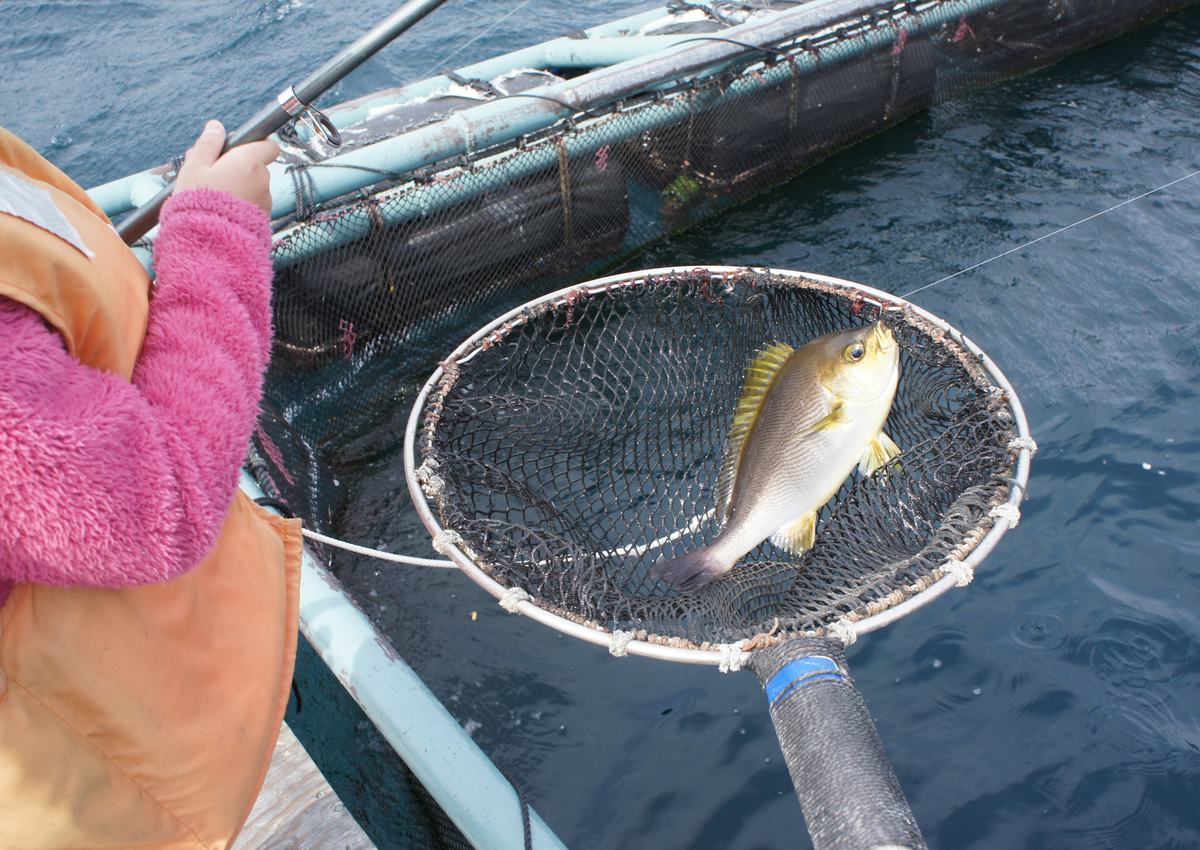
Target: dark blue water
(1055,703)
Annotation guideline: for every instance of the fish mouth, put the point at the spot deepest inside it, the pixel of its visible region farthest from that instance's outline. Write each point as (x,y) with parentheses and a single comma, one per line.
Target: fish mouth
(884,338)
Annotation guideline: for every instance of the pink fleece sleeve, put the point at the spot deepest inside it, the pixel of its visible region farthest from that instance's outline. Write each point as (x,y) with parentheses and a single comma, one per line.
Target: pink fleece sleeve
(112,483)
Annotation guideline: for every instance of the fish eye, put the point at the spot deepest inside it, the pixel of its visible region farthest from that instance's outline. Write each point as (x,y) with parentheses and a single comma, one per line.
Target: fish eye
(855,352)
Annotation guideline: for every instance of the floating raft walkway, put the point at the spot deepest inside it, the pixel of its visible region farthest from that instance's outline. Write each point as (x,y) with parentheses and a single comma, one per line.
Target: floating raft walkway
(297,810)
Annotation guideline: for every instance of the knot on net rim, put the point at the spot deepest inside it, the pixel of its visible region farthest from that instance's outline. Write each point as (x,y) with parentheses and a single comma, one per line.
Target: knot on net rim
(578,438)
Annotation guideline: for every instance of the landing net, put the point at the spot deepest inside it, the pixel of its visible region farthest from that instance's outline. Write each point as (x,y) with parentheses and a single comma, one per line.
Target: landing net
(565,450)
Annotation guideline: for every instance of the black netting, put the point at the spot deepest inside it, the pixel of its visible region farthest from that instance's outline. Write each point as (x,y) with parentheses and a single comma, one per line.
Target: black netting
(563,446)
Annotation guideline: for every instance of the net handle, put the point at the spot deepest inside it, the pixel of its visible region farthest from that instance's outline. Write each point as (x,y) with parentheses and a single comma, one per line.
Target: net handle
(727,657)
(847,788)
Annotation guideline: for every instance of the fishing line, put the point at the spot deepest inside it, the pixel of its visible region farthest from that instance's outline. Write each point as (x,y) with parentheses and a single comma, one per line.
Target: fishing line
(913,292)
(445,59)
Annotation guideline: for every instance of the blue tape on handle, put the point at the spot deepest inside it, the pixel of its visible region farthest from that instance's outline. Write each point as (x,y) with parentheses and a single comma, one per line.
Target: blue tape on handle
(811,668)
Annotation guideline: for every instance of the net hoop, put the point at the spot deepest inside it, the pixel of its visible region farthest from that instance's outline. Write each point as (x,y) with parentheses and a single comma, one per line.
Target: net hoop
(850,630)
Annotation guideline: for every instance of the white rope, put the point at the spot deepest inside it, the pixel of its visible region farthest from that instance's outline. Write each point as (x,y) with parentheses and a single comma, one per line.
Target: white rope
(618,645)
(377,553)
(694,524)
(913,292)
(733,656)
(444,539)
(841,630)
(1007,511)
(631,549)
(1018,443)
(961,572)
(513,597)
(429,479)
(447,538)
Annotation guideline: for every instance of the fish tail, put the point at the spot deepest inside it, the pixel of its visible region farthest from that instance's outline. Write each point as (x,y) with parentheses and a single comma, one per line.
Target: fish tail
(693,570)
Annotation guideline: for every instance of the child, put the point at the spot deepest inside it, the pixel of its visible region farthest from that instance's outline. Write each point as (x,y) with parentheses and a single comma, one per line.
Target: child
(147,609)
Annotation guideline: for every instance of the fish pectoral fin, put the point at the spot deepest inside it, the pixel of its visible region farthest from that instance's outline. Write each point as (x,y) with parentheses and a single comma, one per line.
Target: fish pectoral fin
(836,416)
(798,535)
(879,451)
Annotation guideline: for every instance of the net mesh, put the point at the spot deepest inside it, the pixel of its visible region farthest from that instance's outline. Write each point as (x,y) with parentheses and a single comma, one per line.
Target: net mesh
(373,288)
(581,443)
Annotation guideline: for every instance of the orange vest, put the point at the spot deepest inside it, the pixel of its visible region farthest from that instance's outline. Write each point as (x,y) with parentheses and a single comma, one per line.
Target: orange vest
(142,717)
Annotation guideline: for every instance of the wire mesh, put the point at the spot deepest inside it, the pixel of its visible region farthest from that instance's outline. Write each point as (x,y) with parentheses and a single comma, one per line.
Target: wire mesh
(581,443)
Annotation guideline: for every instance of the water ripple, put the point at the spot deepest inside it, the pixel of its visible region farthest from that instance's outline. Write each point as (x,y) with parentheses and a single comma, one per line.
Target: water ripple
(1128,651)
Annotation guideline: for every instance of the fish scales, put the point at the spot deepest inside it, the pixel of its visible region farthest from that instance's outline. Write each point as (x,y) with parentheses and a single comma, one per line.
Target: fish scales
(805,419)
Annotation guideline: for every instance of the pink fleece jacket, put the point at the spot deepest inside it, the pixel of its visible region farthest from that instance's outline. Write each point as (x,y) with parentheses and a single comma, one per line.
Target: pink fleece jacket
(111,483)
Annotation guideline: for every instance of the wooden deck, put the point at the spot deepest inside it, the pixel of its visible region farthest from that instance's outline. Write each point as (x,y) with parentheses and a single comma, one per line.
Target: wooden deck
(297,810)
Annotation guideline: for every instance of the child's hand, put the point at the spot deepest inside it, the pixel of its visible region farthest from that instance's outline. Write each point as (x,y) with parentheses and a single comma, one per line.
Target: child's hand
(241,172)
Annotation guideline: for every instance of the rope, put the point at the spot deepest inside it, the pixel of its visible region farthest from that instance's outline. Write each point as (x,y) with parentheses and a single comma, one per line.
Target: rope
(268,502)
(642,549)
(444,539)
(733,656)
(450,565)
(578,109)
(305,191)
(913,292)
(1006,511)
(1016,444)
(960,571)
(841,630)
(377,553)
(513,597)
(770,51)
(618,645)
(524,804)
(564,189)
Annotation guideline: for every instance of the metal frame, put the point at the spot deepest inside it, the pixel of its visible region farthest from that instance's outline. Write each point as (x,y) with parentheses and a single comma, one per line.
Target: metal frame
(603,637)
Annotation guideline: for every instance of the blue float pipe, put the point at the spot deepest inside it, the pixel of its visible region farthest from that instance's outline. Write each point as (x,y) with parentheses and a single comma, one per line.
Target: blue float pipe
(497,122)
(402,204)
(605,44)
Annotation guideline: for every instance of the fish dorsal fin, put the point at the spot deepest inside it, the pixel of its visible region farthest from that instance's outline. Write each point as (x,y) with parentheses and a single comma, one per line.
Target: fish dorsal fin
(759,376)
(798,535)
(879,451)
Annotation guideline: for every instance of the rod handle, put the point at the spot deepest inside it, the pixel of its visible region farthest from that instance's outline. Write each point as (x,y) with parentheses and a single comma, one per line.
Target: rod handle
(847,788)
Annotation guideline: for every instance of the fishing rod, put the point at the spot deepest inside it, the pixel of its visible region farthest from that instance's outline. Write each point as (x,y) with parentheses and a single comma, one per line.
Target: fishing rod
(295,103)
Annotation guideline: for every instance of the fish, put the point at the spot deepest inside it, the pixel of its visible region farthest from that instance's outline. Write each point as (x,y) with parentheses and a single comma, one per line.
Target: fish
(806,417)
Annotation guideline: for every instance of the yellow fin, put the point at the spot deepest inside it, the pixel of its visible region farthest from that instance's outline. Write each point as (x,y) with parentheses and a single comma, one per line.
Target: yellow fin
(879,451)
(797,536)
(835,416)
(760,374)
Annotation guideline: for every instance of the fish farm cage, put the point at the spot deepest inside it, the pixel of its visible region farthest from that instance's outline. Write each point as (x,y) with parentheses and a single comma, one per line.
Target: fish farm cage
(505,180)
